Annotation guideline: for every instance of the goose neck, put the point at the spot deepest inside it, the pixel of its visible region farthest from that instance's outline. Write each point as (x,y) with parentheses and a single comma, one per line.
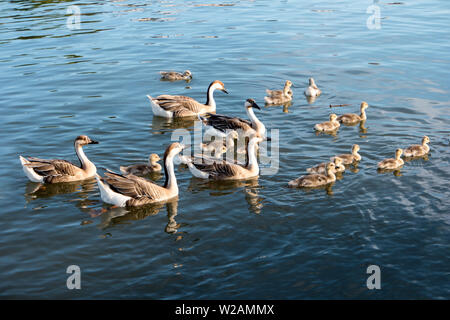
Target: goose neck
(169,172)
(86,165)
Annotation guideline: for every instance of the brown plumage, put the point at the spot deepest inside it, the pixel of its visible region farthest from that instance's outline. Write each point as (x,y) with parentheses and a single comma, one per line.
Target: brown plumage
(315,179)
(418,150)
(352,118)
(143,168)
(350,158)
(328,126)
(321,168)
(279,96)
(390,164)
(173,75)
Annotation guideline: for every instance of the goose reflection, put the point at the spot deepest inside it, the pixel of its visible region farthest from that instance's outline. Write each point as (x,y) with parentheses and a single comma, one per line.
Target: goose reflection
(164,125)
(116,216)
(284,105)
(250,188)
(310,100)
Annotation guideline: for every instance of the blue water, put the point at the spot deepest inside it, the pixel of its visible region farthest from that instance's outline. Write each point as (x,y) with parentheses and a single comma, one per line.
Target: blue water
(250,240)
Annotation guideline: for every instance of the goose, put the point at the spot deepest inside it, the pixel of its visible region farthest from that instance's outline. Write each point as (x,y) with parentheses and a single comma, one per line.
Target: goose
(352,118)
(349,158)
(130,190)
(173,76)
(315,179)
(217,144)
(217,125)
(417,150)
(227,170)
(279,96)
(328,126)
(169,106)
(144,168)
(389,164)
(56,170)
(321,168)
(312,90)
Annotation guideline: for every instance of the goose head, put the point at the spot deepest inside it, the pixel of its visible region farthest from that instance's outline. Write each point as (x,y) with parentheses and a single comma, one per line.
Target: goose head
(84,140)
(173,150)
(333,117)
(355,148)
(337,161)
(250,103)
(233,135)
(364,106)
(398,153)
(153,158)
(312,83)
(330,168)
(425,140)
(218,85)
(187,73)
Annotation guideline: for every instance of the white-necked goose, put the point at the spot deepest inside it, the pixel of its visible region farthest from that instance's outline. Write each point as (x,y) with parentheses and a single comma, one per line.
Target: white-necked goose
(390,164)
(418,150)
(143,168)
(218,125)
(315,179)
(169,106)
(173,75)
(312,90)
(225,170)
(352,118)
(130,190)
(56,170)
(279,96)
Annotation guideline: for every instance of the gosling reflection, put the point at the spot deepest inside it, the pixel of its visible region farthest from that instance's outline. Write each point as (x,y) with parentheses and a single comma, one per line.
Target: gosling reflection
(285,106)
(116,216)
(310,99)
(250,187)
(165,125)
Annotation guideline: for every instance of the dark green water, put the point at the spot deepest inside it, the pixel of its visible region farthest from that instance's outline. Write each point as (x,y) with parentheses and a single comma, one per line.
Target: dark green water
(255,239)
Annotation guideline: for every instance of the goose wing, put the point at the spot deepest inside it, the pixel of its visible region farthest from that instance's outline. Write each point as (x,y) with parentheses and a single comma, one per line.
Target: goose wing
(52,167)
(134,186)
(223,123)
(219,170)
(182,106)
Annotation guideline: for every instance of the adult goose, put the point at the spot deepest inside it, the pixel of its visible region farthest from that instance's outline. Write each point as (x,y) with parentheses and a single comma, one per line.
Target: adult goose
(169,106)
(143,168)
(225,170)
(352,118)
(56,170)
(315,179)
(130,190)
(418,150)
(279,96)
(173,75)
(220,125)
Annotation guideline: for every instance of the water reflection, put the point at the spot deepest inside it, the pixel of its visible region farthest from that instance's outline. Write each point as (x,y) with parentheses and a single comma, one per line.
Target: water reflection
(163,125)
(285,106)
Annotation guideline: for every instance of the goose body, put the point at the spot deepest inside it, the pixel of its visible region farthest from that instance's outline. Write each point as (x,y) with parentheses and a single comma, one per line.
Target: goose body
(225,170)
(173,76)
(169,106)
(349,158)
(389,164)
(315,179)
(279,96)
(217,145)
(130,190)
(56,170)
(418,150)
(220,125)
(328,126)
(312,90)
(352,118)
(321,168)
(143,168)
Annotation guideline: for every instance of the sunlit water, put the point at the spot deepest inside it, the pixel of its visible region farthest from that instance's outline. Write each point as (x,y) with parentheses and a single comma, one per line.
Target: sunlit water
(256,239)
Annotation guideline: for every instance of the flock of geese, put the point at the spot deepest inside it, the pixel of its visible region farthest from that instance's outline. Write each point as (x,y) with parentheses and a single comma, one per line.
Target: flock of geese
(129,188)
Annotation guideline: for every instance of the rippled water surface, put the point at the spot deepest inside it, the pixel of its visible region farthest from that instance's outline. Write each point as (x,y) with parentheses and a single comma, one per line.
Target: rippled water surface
(255,239)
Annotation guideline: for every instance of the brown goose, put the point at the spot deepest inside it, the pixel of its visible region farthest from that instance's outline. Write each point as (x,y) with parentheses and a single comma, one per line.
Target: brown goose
(350,158)
(321,168)
(279,96)
(328,126)
(56,170)
(418,150)
(219,125)
(144,168)
(169,106)
(315,179)
(173,76)
(389,164)
(352,118)
(130,190)
(225,170)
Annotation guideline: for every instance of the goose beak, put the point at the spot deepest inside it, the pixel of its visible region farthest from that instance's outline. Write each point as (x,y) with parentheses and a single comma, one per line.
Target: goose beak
(93,142)
(224,90)
(268,139)
(254,105)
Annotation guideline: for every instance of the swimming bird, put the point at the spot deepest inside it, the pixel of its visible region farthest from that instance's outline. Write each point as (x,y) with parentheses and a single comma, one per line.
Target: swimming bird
(173,76)
(321,168)
(227,170)
(217,125)
(389,164)
(328,126)
(349,158)
(279,96)
(417,150)
(169,106)
(352,118)
(143,168)
(312,90)
(56,170)
(217,144)
(130,190)
(315,179)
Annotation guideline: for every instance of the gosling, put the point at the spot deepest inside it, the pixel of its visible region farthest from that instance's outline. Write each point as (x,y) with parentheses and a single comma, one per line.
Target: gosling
(328,126)
(143,168)
(390,164)
(315,179)
(417,150)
